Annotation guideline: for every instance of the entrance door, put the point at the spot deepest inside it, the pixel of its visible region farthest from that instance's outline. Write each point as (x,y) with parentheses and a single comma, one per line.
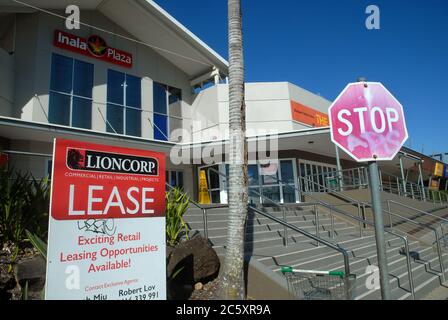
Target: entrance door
(276,181)
(216,184)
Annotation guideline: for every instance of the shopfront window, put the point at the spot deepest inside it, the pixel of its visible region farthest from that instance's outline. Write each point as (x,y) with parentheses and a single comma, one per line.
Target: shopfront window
(274,181)
(70,99)
(123,103)
(315,176)
(175,178)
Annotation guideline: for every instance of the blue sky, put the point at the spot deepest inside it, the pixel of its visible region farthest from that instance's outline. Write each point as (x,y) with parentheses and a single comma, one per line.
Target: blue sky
(321,45)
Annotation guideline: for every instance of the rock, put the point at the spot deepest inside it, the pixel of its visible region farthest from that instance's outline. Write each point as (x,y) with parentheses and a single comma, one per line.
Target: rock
(198,286)
(7,283)
(197,257)
(190,262)
(32,271)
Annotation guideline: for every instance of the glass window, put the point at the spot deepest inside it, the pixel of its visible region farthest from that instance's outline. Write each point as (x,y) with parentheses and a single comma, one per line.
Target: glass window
(252,171)
(114,118)
(214,179)
(61,74)
(287,171)
(289,194)
(124,103)
(272,193)
(82,113)
(115,87)
(180,178)
(175,178)
(133,122)
(160,127)
(160,98)
(215,196)
(83,79)
(133,92)
(269,173)
(254,195)
(70,98)
(49,168)
(59,109)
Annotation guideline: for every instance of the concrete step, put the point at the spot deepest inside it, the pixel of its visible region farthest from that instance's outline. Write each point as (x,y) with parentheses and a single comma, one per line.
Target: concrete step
(425,276)
(256,223)
(219,229)
(260,238)
(275,244)
(360,250)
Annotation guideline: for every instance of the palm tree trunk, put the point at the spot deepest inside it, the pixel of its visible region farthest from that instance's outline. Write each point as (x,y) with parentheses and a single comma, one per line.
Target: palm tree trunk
(232,284)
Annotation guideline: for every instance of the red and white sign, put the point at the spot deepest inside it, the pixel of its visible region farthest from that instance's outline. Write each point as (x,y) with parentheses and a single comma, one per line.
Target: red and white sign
(367,122)
(107,223)
(94,47)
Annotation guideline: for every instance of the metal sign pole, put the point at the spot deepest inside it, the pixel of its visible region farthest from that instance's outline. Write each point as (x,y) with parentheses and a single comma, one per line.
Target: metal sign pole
(379,230)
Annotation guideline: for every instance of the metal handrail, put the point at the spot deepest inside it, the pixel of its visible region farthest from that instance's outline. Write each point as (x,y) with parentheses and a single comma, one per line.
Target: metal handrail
(331,207)
(444,220)
(282,206)
(315,238)
(439,252)
(424,225)
(402,237)
(204,210)
(424,190)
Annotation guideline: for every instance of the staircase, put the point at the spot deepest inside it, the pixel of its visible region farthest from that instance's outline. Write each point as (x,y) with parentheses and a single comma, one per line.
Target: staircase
(266,252)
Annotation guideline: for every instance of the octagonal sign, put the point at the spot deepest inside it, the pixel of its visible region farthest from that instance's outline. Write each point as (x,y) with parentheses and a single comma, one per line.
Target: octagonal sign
(367,122)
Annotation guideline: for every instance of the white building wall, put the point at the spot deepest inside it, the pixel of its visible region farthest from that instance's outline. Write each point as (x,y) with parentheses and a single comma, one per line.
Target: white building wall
(268,109)
(308,98)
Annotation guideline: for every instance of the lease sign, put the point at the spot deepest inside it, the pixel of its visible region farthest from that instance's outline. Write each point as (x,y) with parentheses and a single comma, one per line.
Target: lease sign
(107,223)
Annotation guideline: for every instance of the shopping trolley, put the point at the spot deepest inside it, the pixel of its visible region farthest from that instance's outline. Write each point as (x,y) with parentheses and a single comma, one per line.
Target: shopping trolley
(319,285)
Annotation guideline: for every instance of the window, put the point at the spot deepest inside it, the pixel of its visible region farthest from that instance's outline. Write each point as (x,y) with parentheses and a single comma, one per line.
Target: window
(160,112)
(71,86)
(175,179)
(315,177)
(48,168)
(167,110)
(275,181)
(123,103)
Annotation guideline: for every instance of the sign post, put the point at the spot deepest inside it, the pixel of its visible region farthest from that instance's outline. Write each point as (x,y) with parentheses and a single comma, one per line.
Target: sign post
(368,123)
(106,238)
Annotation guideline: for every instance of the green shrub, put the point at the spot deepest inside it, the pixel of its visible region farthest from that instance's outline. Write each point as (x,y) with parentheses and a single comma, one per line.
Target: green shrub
(176,205)
(24,203)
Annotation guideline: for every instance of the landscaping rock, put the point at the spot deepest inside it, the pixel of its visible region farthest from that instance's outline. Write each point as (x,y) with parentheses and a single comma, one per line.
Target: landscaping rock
(197,257)
(31,271)
(197,262)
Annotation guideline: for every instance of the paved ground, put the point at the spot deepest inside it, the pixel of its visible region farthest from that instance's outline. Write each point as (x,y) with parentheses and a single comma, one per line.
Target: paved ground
(440,293)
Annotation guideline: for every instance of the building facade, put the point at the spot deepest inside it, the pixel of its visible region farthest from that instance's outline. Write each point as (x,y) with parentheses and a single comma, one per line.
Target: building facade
(134,76)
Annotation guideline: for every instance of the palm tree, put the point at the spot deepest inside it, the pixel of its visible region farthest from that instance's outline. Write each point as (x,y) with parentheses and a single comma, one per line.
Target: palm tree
(232,277)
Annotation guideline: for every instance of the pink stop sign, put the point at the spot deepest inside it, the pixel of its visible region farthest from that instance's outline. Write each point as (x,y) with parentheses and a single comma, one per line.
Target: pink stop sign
(368,122)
